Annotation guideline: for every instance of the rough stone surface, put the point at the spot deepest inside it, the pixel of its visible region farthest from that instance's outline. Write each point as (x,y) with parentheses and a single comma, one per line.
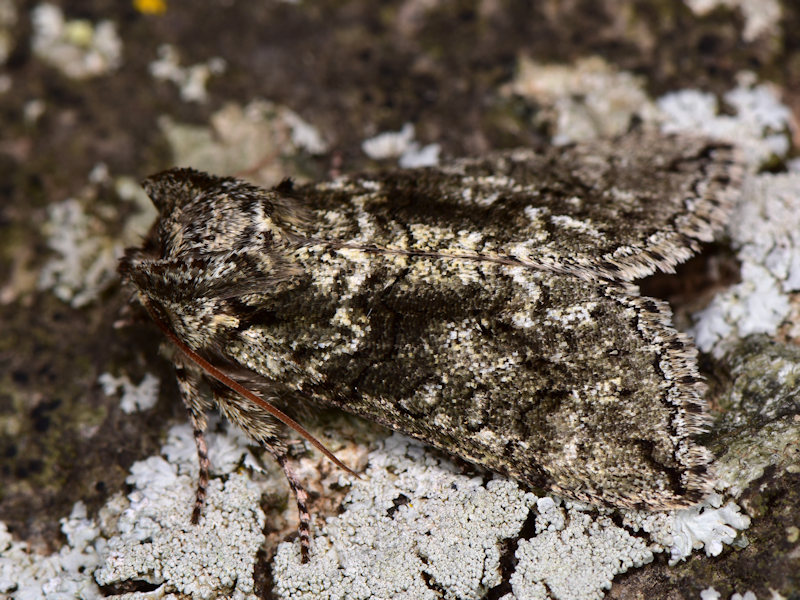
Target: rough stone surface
(350,72)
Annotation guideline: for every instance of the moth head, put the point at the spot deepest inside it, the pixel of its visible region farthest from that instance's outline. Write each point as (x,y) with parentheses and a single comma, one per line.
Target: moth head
(175,188)
(182,294)
(216,239)
(204,213)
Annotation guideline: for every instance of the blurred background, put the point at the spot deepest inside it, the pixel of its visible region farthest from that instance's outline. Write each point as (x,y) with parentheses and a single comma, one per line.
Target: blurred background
(97,94)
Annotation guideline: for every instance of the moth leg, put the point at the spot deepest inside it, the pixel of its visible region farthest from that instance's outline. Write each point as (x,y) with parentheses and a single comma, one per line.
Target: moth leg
(301,498)
(265,430)
(188,384)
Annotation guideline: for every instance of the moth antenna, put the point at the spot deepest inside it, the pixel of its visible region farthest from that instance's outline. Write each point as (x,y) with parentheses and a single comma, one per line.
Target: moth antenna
(243,391)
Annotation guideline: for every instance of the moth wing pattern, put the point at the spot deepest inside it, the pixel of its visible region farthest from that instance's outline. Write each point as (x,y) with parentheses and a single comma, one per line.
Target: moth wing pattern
(484,307)
(617,209)
(535,388)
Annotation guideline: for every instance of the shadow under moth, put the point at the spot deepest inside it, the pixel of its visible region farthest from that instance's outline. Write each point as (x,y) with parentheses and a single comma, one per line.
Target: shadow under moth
(485,307)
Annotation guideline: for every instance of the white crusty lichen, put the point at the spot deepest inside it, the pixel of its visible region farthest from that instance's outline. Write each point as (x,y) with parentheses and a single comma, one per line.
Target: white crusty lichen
(260,138)
(762,17)
(709,526)
(156,542)
(765,231)
(759,126)
(584,101)
(574,554)
(77,47)
(592,99)
(149,534)
(706,526)
(134,397)
(84,261)
(711,594)
(83,236)
(227,449)
(414,528)
(402,146)
(63,575)
(577,551)
(191,80)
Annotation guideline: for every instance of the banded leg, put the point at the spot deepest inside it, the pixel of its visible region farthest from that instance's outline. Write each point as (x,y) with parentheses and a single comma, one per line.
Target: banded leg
(203,474)
(265,430)
(188,383)
(301,497)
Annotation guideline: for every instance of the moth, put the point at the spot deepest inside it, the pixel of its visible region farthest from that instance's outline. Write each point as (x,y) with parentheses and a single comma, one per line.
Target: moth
(486,307)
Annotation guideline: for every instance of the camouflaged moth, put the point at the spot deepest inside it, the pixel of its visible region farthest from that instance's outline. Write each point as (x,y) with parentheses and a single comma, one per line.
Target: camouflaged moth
(485,307)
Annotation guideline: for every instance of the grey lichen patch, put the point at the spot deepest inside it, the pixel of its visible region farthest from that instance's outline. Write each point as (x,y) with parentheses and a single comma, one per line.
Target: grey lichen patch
(85,258)
(78,48)
(708,526)
(85,239)
(592,99)
(146,536)
(134,397)
(748,456)
(191,80)
(415,528)
(759,424)
(412,527)
(575,555)
(764,230)
(712,594)
(150,537)
(760,125)
(584,100)
(765,384)
(577,551)
(24,574)
(155,542)
(762,17)
(401,146)
(260,139)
